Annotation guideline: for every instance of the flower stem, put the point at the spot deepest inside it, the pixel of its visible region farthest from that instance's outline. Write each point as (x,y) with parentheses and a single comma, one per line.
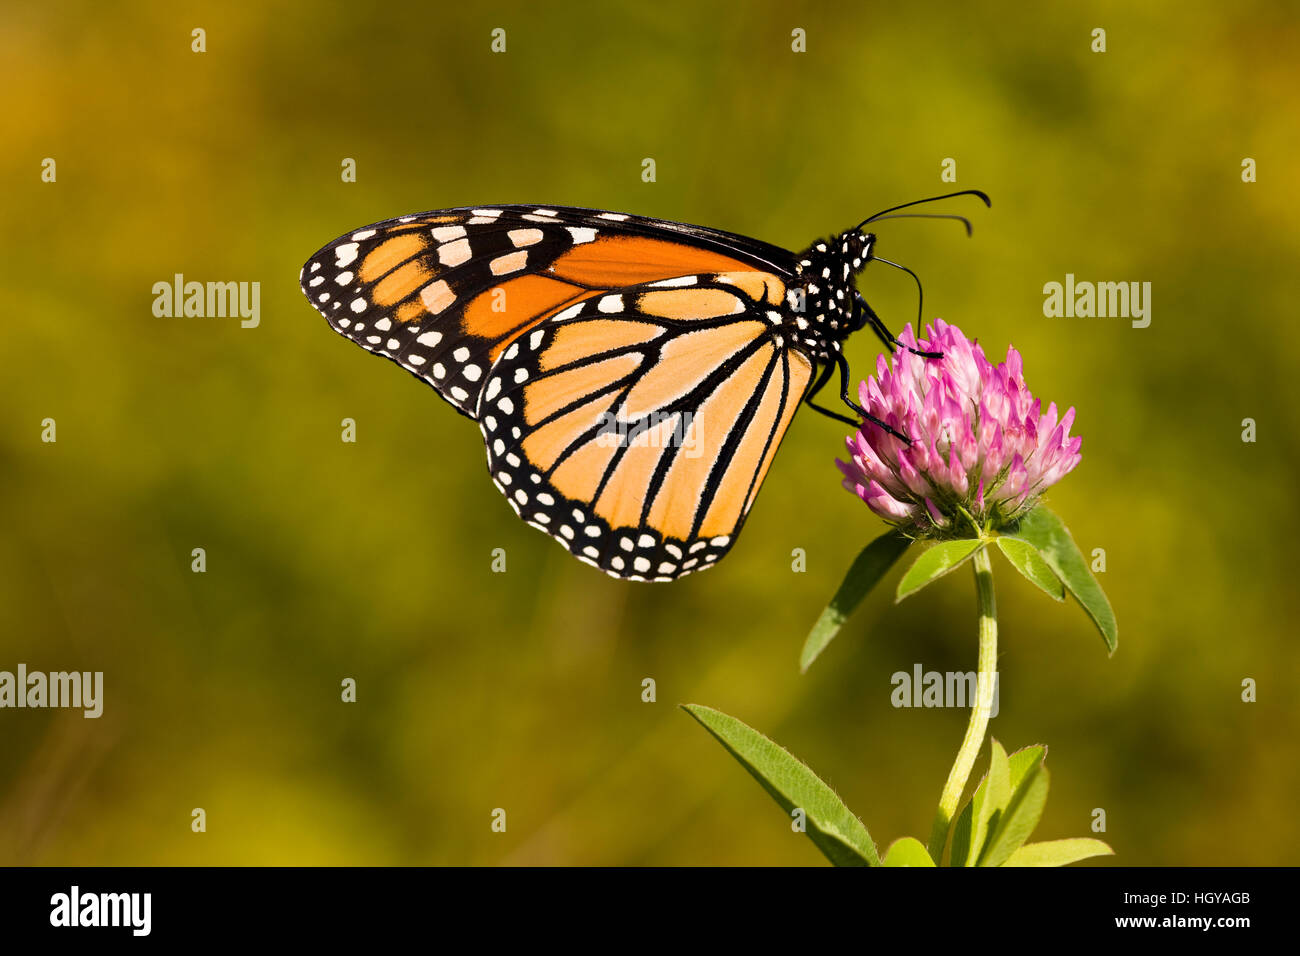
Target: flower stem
(979,717)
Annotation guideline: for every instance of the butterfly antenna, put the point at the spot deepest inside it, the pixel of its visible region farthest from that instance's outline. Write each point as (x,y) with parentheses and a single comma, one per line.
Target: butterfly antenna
(970,230)
(917,202)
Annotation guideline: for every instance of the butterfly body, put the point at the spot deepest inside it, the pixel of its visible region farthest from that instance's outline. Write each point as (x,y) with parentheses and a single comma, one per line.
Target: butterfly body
(825,273)
(631,377)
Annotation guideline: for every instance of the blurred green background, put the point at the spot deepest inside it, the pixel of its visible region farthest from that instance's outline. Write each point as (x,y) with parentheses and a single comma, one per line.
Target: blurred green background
(522,690)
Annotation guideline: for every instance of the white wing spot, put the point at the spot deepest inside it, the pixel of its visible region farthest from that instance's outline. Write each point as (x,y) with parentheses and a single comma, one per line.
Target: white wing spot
(436,296)
(525,237)
(510,262)
(344,254)
(454,253)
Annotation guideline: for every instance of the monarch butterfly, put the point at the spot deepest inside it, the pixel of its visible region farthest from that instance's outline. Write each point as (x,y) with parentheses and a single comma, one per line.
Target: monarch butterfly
(632,377)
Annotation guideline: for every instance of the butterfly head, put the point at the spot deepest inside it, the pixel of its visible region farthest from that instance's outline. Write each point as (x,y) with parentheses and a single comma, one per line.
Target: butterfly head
(823,300)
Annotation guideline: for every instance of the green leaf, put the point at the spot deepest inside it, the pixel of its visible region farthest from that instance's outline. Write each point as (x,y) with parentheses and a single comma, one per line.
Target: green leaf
(1017,822)
(1024,760)
(864,574)
(1057,852)
(907,851)
(959,852)
(997,794)
(1045,532)
(830,824)
(935,563)
(963,852)
(1024,558)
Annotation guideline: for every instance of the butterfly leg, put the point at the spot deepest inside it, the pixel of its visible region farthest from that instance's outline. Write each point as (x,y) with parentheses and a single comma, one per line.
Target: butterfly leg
(817,386)
(843,364)
(877,326)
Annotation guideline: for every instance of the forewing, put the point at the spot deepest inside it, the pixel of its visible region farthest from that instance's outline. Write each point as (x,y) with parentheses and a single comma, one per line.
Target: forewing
(444,293)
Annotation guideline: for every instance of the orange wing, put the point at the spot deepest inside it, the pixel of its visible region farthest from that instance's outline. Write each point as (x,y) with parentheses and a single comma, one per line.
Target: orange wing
(443,293)
(637,428)
(632,377)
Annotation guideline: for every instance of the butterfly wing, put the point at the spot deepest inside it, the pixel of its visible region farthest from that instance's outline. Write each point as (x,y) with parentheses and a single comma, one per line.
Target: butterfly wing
(443,293)
(636,428)
(629,375)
